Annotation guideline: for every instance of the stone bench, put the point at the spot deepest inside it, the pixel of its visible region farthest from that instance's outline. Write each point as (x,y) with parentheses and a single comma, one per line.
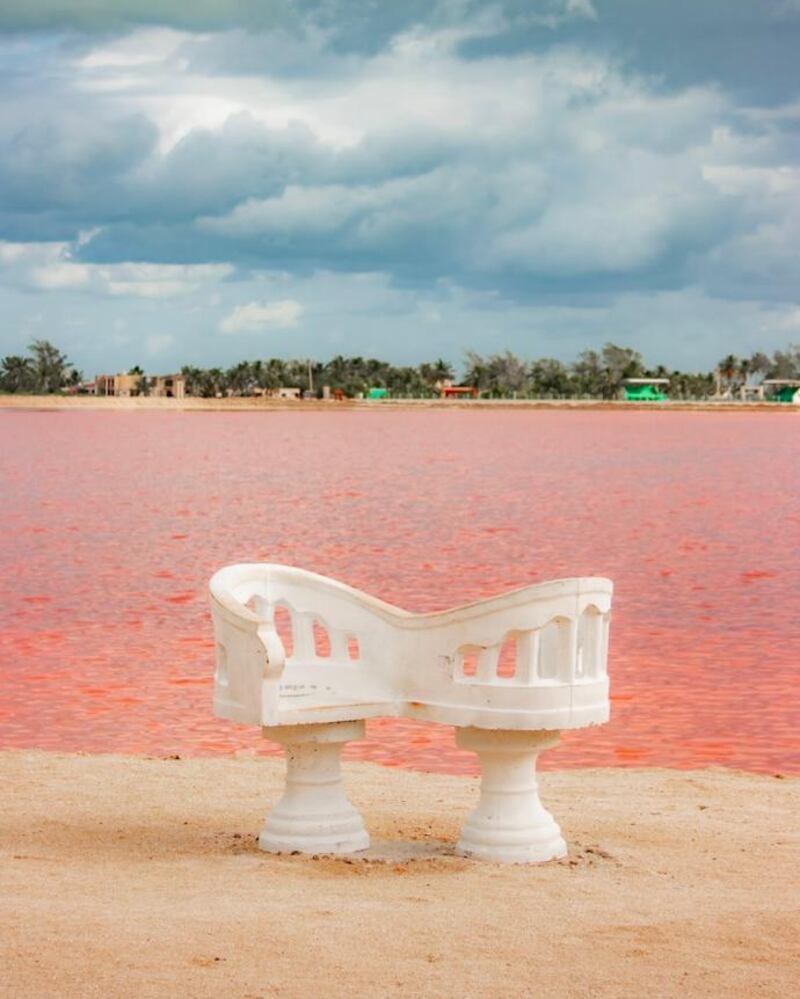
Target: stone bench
(309,659)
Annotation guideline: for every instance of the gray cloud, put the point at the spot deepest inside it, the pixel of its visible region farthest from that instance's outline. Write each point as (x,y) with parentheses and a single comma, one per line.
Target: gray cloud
(72,163)
(749,47)
(366,24)
(111,15)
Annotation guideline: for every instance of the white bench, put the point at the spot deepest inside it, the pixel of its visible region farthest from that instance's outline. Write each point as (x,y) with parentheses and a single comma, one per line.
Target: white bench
(308,659)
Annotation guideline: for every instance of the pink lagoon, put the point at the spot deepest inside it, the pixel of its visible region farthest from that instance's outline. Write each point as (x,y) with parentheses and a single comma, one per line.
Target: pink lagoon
(114,521)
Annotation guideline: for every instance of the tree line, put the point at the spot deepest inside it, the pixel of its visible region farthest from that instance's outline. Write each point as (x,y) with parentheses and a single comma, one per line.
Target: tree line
(350,375)
(592,375)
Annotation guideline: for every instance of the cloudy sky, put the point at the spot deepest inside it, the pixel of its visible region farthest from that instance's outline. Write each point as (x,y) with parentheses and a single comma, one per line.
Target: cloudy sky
(208,181)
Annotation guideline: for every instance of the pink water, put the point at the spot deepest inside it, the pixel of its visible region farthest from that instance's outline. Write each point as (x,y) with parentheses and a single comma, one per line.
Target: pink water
(112,523)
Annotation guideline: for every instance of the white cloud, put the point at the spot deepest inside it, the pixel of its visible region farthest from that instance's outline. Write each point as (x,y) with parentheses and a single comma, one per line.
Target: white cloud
(85,236)
(160,280)
(140,47)
(50,267)
(10,253)
(256,316)
(60,275)
(147,289)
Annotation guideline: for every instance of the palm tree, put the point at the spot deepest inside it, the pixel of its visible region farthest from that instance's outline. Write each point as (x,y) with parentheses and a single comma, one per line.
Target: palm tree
(436,374)
(273,374)
(17,374)
(205,382)
(51,367)
(240,378)
(475,374)
(727,369)
(443,370)
(216,383)
(192,379)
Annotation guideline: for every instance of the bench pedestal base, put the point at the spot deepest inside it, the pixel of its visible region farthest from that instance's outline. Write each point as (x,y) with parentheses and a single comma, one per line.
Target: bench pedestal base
(314,816)
(510,823)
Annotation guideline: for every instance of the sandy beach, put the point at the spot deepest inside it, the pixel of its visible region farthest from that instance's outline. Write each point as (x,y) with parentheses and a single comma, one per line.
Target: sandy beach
(126,876)
(257,404)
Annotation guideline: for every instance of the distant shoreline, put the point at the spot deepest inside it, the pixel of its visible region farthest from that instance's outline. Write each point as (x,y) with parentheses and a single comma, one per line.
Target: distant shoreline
(256,404)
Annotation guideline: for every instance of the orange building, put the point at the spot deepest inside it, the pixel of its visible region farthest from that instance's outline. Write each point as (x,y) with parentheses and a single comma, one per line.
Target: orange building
(458,392)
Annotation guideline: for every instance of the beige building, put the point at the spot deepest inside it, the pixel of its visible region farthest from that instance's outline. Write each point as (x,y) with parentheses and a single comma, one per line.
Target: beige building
(278,393)
(168,386)
(118,385)
(124,386)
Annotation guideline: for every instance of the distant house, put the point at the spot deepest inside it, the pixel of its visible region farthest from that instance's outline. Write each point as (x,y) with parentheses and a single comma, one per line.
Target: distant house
(458,392)
(644,389)
(783,390)
(124,386)
(121,386)
(752,393)
(84,388)
(168,386)
(284,392)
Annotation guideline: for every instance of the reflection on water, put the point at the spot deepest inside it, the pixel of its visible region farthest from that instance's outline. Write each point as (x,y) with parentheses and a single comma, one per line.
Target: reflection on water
(113,522)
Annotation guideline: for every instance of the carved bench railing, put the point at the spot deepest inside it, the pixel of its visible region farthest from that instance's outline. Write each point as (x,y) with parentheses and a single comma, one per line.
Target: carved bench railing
(308,659)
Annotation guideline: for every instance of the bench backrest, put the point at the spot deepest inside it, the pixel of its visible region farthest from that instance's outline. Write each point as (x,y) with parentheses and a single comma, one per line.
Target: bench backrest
(295,647)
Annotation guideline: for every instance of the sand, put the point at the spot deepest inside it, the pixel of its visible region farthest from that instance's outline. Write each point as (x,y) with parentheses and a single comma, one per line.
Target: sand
(140,877)
(254,404)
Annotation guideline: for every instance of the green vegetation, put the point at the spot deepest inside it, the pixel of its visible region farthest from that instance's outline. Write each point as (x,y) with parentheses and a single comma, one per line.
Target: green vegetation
(44,371)
(353,375)
(593,375)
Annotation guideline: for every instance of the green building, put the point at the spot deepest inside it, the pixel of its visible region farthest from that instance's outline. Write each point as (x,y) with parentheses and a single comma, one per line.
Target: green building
(645,389)
(783,390)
